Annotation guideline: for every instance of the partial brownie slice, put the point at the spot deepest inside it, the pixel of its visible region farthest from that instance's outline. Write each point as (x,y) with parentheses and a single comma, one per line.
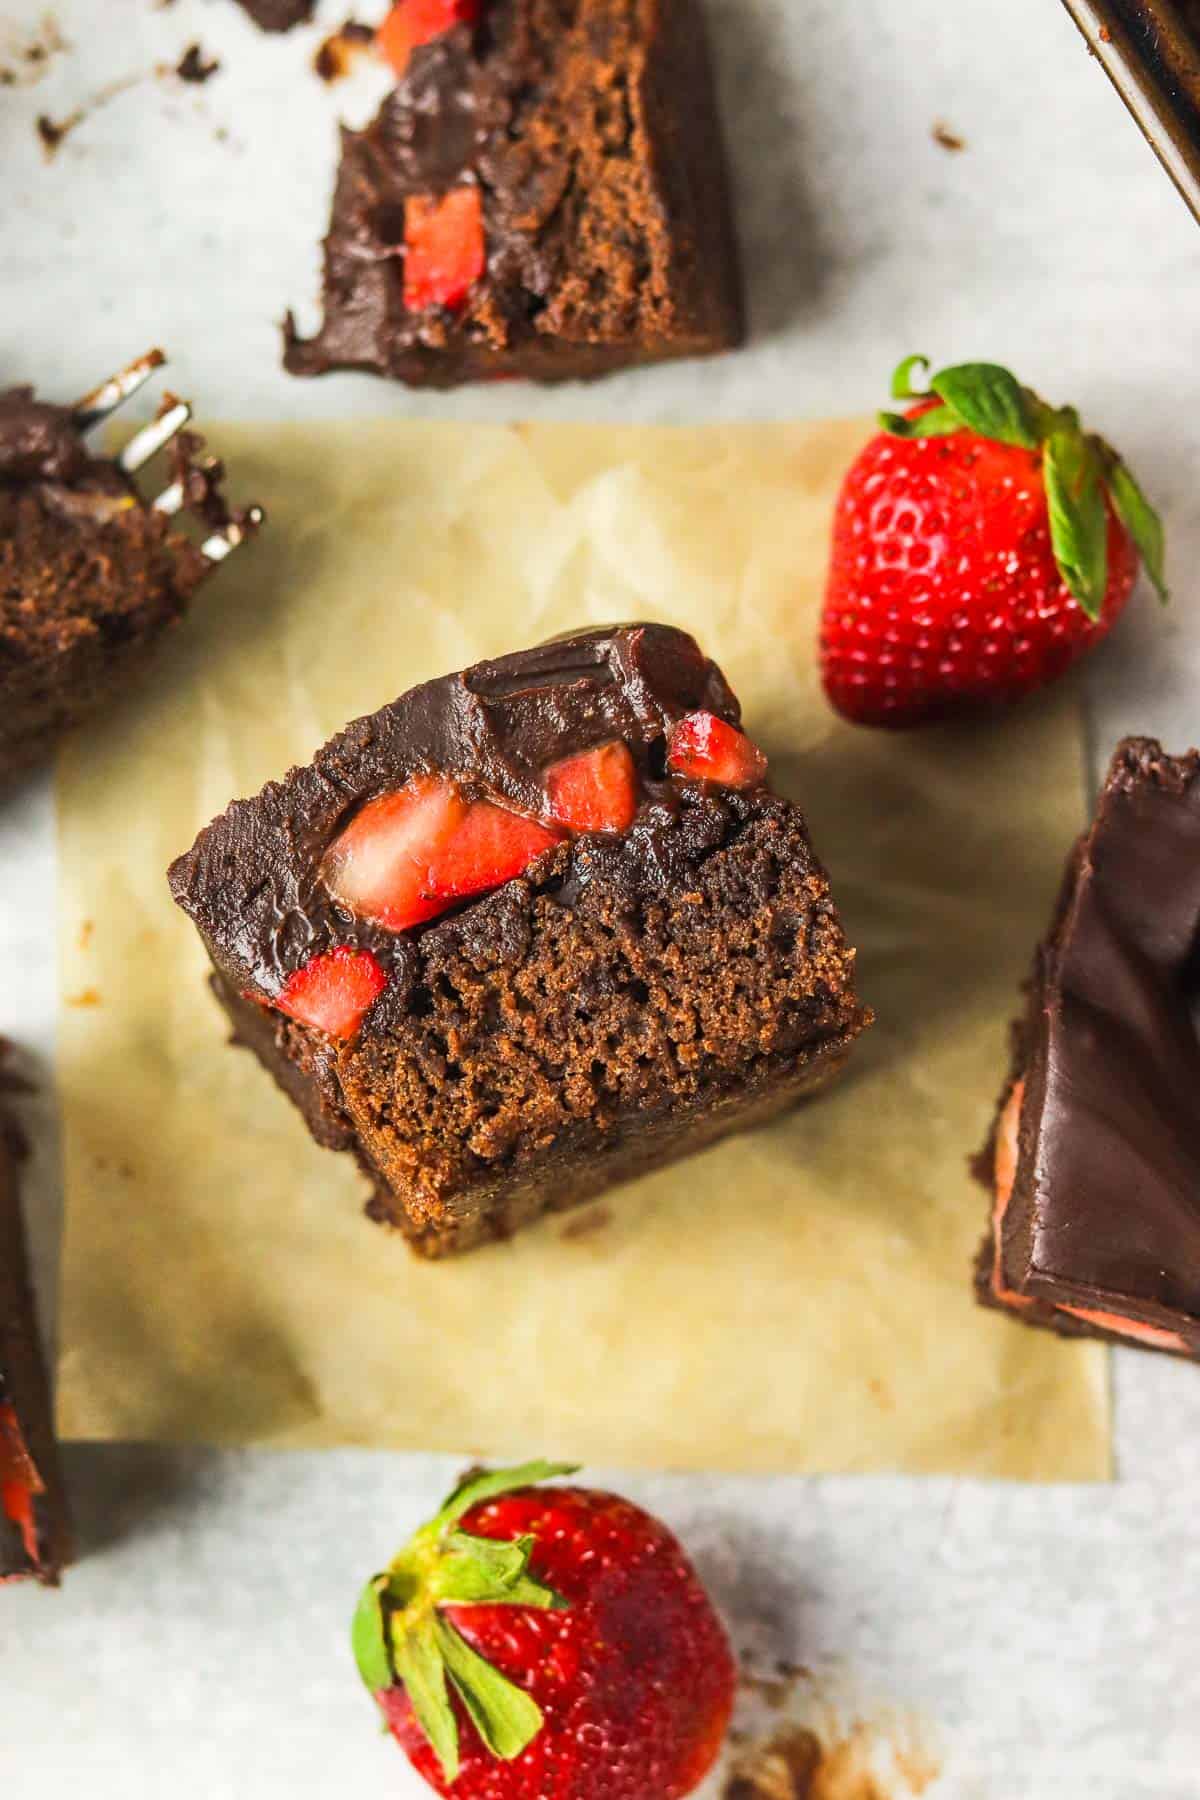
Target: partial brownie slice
(34,1532)
(543,195)
(528,931)
(90,575)
(1094,1161)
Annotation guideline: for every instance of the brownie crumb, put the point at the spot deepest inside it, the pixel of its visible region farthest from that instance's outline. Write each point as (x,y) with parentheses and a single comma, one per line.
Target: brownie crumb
(279,15)
(52,134)
(784,1768)
(342,48)
(948,139)
(193,66)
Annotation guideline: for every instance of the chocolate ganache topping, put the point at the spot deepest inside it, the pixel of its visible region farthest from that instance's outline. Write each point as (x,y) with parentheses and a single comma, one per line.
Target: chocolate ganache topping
(1106,1207)
(252,881)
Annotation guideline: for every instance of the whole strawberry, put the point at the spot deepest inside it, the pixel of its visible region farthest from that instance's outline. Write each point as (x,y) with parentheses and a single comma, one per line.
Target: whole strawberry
(982,543)
(547,1643)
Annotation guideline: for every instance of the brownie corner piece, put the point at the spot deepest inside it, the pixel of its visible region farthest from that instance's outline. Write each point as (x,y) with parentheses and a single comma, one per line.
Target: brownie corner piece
(35,1536)
(543,195)
(529,931)
(1093,1164)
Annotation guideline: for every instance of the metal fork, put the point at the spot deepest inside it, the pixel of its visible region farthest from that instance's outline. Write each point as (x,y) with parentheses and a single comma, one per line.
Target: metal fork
(103,401)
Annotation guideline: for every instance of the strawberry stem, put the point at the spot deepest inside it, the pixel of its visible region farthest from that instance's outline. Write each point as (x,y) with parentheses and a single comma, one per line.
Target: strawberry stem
(1079,470)
(400,1634)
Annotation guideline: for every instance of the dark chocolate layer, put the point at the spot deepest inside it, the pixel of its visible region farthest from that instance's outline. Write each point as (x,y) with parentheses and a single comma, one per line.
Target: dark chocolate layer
(589,128)
(1105,1210)
(251,881)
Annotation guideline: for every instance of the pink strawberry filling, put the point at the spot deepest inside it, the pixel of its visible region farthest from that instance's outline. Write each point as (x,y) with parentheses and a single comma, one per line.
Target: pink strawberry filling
(1007,1151)
(1134,1329)
(1006,1175)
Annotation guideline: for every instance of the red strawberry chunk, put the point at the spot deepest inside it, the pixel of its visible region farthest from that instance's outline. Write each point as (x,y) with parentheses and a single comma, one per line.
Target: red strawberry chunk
(413,22)
(18,1481)
(334,991)
(444,250)
(409,854)
(380,866)
(594,791)
(708,749)
(488,848)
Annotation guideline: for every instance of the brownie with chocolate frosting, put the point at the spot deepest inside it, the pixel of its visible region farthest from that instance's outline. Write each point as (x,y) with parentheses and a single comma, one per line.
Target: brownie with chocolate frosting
(35,1537)
(90,576)
(528,931)
(1094,1161)
(543,195)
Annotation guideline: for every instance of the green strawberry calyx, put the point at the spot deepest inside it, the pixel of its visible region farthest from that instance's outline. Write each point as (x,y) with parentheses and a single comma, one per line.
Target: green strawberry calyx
(1079,469)
(400,1632)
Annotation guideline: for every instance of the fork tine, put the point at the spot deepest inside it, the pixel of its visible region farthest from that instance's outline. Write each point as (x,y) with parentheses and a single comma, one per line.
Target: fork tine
(170,500)
(150,440)
(111,393)
(222,543)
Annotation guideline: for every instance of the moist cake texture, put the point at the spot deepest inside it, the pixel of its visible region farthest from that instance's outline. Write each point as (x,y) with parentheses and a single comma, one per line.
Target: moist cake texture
(543,195)
(1094,1161)
(90,577)
(657,962)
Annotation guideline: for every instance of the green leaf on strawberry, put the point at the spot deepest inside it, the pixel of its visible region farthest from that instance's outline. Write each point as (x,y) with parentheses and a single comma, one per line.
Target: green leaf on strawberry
(504,1715)
(1079,469)
(1140,521)
(1078,518)
(989,401)
(368,1637)
(401,1634)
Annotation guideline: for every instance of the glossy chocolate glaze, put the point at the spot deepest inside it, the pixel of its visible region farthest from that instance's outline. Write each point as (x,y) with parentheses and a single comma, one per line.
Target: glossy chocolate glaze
(1105,1211)
(252,880)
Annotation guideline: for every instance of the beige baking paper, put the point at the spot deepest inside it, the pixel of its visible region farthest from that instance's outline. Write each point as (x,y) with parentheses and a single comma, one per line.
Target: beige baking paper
(795,1299)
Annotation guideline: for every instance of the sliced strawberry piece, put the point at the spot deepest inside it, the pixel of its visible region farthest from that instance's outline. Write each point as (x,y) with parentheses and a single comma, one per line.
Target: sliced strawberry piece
(379,866)
(708,749)
(487,849)
(19,1482)
(413,22)
(444,248)
(333,991)
(594,791)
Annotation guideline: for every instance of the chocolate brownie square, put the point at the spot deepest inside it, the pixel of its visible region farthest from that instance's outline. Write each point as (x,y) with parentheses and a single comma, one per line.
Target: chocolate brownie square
(543,195)
(1094,1160)
(528,931)
(35,1536)
(91,576)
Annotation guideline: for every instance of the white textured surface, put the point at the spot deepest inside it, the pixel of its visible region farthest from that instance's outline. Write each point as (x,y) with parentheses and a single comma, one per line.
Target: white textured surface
(1048,1636)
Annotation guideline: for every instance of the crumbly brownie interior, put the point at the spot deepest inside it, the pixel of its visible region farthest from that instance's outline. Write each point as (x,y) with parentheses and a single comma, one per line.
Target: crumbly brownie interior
(551,1042)
(81,598)
(590,129)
